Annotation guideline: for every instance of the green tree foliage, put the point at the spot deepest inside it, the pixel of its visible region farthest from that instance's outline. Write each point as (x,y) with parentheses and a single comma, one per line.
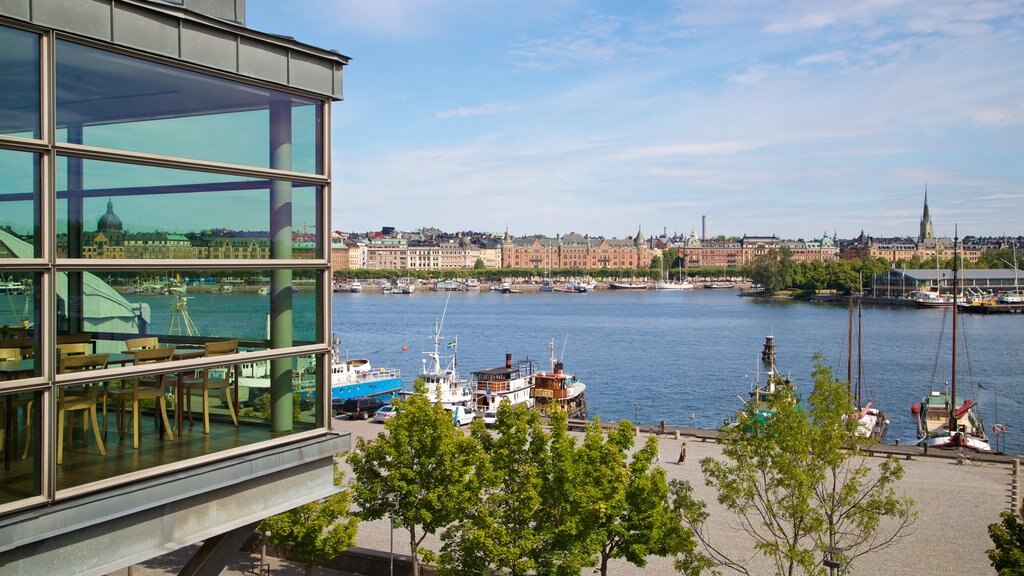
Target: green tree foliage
(773,270)
(419,472)
(503,531)
(550,506)
(317,531)
(1007,556)
(800,487)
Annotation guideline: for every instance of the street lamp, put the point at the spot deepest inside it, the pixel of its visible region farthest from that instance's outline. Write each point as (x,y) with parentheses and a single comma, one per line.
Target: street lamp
(636,408)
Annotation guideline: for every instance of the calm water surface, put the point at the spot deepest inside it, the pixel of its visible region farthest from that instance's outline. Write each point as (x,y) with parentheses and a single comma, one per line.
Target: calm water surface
(691,357)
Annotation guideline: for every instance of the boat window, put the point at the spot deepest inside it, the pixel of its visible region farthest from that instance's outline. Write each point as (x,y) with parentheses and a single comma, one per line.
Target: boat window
(112,100)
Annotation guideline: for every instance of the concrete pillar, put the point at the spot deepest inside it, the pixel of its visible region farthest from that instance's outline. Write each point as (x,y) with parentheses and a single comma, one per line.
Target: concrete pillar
(281,327)
(1015,488)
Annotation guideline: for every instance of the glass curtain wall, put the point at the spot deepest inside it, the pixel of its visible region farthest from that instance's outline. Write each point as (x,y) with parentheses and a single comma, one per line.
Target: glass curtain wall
(162,267)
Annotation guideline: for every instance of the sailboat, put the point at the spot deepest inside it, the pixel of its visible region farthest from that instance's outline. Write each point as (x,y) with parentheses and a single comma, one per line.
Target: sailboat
(665,284)
(871,422)
(945,419)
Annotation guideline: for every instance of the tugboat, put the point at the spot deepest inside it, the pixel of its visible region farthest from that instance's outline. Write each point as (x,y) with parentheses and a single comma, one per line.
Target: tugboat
(557,389)
(509,382)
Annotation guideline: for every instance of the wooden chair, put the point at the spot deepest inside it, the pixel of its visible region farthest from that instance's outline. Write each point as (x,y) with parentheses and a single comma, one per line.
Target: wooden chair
(10,354)
(79,398)
(143,388)
(74,349)
(14,355)
(144,343)
(210,379)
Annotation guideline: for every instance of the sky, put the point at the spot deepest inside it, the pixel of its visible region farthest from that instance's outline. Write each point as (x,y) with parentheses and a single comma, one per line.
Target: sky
(793,118)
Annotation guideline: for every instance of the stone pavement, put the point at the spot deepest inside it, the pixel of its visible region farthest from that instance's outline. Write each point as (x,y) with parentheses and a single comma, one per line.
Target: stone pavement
(955,504)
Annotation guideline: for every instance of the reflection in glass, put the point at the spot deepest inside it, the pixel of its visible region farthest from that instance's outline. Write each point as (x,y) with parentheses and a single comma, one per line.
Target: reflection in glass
(19,204)
(83,462)
(117,101)
(21,474)
(19,340)
(114,211)
(19,98)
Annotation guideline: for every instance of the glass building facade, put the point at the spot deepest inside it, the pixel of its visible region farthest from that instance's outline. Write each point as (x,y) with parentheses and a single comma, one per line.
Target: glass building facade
(155,313)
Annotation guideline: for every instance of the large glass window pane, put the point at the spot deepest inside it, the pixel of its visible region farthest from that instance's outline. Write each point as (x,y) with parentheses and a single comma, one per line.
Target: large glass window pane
(130,416)
(116,101)
(19,97)
(109,210)
(20,430)
(19,205)
(186,308)
(19,339)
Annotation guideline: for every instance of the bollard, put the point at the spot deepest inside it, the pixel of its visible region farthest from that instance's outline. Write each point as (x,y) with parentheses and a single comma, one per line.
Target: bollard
(636,431)
(676,434)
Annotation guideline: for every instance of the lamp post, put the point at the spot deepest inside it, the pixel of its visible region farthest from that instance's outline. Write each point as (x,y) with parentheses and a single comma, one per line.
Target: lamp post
(636,409)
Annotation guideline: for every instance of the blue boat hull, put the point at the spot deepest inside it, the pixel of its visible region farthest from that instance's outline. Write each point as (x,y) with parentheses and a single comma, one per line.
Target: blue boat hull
(384,388)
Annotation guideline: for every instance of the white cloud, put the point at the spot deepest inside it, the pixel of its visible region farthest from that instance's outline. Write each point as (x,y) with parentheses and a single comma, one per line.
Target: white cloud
(482,110)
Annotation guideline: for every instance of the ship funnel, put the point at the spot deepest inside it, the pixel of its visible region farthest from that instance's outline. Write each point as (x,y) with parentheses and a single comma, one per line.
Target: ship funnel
(508,360)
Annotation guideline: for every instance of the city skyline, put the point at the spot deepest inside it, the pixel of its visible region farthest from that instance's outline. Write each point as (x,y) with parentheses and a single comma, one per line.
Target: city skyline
(791,119)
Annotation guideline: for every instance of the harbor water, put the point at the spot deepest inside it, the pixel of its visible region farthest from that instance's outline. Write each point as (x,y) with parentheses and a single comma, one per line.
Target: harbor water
(686,358)
(690,358)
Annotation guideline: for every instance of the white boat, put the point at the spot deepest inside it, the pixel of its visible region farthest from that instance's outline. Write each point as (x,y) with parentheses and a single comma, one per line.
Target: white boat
(930,299)
(1011,297)
(667,285)
(448,286)
(387,288)
(558,389)
(510,382)
(263,291)
(627,285)
(443,383)
(407,287)
(947,419)
(471,284)
(355,286)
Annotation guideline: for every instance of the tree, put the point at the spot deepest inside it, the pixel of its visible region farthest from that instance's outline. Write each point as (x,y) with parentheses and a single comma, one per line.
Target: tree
(632,517)
(1007,556)
(772,270)
(800,486)
(317,531)
(502,532)
(419,472)
(479,264)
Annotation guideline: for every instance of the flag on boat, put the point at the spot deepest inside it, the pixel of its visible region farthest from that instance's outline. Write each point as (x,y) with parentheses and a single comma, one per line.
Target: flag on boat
(452,344)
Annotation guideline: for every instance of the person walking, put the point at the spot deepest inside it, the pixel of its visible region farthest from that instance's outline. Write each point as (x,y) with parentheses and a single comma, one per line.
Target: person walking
(682,454)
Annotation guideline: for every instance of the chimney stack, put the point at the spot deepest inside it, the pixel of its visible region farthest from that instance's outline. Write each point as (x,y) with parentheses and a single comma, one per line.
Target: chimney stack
(703,228)
(508,360)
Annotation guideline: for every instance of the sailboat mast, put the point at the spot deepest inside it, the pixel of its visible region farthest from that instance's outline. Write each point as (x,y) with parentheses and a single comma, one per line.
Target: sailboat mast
(860,367)
(952,379)
(849,348)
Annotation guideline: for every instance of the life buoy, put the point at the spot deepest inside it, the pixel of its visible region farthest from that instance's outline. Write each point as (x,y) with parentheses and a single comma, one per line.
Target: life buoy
(998,428)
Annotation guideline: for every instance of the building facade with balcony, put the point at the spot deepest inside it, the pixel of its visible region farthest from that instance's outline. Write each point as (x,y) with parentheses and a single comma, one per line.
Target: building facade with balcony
(123,437)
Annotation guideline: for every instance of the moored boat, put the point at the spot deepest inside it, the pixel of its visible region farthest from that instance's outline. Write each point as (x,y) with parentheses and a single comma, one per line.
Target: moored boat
(443,383)
(946,419)
(355,286)
(627,285)
(555,389)
(932,299)
(351,378)
(510,382)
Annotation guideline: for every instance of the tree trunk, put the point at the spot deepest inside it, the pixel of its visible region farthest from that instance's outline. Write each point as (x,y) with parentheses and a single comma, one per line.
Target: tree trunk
(415,557)
(604,564)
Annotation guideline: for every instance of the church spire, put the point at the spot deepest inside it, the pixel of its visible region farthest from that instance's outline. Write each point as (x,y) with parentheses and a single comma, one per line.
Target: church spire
(926,219)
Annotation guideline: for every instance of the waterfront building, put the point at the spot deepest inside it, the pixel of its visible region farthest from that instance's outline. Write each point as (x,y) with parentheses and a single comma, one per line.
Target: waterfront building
(161,122)
(576,251)
(902,283)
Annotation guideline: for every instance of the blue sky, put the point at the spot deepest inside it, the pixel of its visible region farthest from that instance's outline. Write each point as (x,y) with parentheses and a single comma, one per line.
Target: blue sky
(769,117)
